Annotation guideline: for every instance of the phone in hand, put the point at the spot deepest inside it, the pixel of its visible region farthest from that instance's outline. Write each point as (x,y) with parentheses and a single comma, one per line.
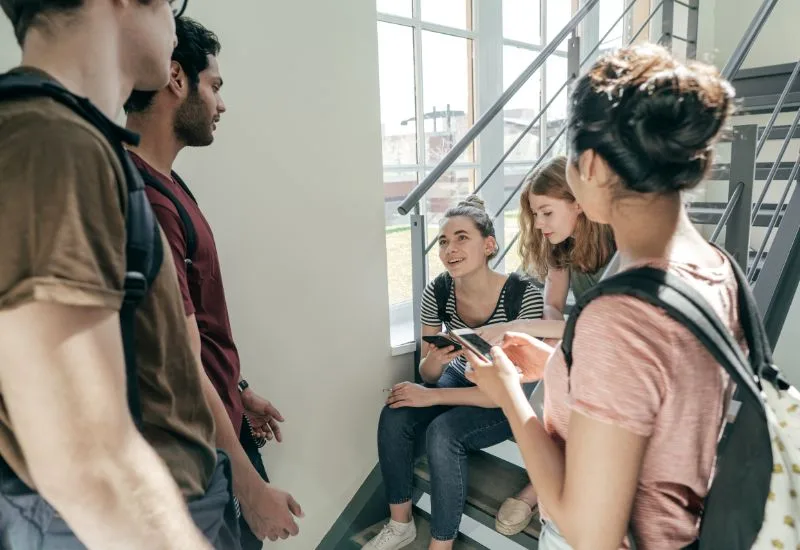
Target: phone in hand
(470,340)
(441,342)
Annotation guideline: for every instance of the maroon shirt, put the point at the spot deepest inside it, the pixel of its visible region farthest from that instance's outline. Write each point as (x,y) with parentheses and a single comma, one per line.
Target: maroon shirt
(202,290)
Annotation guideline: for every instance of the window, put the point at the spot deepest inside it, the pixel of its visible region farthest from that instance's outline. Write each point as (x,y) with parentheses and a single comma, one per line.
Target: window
(432,90)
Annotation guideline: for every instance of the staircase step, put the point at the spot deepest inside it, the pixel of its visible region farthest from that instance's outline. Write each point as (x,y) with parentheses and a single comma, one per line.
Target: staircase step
(491,481)
(709,213)
(423,536)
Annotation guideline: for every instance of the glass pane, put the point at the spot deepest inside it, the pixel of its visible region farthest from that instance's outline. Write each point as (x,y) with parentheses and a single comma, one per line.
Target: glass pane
(395,7)
(396,186)
(396,66)
(610,10)
(522,21)
(451,13)
(559,12)
(556,68)
(447,84)
(524,105)
(513,175)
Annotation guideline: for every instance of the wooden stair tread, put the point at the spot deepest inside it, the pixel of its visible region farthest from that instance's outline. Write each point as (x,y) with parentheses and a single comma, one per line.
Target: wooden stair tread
(491,481)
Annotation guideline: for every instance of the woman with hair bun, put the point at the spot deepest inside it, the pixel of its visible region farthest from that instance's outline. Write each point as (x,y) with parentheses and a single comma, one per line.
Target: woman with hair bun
(628,439)
(447,417)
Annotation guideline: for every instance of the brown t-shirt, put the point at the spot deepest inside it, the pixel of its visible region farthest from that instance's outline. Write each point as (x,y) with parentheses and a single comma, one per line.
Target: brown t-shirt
(62,203)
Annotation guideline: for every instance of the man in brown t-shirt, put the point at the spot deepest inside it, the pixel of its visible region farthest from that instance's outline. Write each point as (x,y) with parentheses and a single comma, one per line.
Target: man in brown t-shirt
(65,427)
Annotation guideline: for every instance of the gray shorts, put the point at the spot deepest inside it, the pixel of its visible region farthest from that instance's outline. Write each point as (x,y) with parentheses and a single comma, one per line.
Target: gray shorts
(28,522)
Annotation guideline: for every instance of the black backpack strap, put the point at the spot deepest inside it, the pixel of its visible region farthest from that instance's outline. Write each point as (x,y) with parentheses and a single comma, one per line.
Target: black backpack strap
(514,294)
(682,303)
(442,285)
(144,255)
(144,252)
(744,453)
(186,220)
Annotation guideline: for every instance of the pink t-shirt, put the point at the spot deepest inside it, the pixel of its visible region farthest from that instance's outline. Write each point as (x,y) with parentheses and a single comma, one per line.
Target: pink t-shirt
(635,367)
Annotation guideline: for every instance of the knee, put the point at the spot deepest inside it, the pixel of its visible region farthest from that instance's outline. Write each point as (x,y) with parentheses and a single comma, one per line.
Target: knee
(441,440)
(394,422)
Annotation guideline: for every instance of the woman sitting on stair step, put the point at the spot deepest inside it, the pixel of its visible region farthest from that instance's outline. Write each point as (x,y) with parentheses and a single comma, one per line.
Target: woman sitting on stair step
(559,245)
(448,417)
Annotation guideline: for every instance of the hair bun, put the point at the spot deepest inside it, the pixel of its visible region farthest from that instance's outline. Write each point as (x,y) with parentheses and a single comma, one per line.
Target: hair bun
(474,201)
(654,118)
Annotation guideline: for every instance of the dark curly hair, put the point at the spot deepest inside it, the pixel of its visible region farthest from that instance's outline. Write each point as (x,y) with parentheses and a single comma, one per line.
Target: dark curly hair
(653,119)
(195,44)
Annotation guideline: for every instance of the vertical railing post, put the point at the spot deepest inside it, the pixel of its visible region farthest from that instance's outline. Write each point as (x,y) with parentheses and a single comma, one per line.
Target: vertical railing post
(419,278)
(743,166)
(691,29)
(667,23)
(573,60)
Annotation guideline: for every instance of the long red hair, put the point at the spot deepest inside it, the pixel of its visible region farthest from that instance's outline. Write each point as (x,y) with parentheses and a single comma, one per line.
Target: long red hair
(592,245)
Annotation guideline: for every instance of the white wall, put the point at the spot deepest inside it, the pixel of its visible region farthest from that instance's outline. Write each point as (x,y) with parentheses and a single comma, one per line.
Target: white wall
(777,43)
(293,189)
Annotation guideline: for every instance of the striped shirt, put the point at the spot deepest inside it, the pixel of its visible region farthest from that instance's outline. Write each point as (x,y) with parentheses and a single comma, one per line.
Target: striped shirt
(532,307)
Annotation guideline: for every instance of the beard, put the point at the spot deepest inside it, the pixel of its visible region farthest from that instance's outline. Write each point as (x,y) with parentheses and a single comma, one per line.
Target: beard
(193,125)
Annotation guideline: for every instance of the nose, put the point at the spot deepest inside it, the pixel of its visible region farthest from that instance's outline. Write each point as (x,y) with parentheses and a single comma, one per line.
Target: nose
(221,107)
(538,223)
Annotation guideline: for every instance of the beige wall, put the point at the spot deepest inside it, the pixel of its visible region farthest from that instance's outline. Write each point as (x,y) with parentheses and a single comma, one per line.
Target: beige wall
(778,42)
(293,190)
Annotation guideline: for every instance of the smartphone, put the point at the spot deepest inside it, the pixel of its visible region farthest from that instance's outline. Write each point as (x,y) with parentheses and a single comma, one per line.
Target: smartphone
(470,340)
(441,341)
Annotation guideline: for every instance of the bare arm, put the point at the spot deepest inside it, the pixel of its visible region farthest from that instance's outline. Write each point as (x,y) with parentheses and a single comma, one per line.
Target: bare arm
(556,290)
(591,511)
(471,397)
(267,510)
(433,361)
(245,475)
(63,378)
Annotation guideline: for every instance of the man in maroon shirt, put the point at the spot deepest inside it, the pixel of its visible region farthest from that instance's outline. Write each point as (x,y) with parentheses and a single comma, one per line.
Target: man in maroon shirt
(184,114)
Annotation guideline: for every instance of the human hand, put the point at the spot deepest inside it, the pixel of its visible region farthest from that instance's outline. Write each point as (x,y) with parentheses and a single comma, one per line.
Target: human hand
(494,333)
(407,394)
(264,417)
(270,513)
(498,379)
(528,354)
(442,356)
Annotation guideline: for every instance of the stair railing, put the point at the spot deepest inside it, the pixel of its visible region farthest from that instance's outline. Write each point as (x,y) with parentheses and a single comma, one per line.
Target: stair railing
(411,204)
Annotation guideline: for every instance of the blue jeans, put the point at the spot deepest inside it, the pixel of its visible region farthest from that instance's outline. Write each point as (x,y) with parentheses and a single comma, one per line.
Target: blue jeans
(447,434)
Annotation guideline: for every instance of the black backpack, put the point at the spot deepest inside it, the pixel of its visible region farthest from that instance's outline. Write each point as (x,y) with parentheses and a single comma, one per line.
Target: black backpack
(143,247)
(186,220)
(733,511)
(512,300)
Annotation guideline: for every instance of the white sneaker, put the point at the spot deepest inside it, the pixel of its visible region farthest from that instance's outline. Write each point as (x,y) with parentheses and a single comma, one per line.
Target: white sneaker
(393,536)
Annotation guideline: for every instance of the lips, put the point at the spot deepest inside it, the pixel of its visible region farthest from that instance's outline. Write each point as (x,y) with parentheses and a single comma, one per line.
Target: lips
(547,235)
(455,261)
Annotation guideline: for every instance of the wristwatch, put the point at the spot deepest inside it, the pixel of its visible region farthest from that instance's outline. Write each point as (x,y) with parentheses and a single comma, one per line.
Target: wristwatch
(243,385)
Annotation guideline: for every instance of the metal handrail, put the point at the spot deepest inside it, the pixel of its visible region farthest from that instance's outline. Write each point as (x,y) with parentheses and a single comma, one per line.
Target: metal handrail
(775,166)
(558,135)
(737,193)
(550,102)
(778,107)
(773,221)
(739,54)
(449,159)
(748,39)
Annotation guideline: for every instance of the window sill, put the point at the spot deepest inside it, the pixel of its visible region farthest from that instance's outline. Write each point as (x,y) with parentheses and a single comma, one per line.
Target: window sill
(403,349)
